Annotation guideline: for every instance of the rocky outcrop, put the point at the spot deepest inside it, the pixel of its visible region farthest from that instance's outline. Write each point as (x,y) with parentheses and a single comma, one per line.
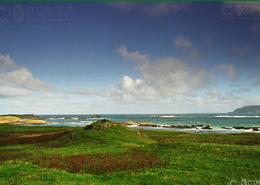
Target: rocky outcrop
(95,116)
(142,124)
(102,124)
(207,127)
(247,128)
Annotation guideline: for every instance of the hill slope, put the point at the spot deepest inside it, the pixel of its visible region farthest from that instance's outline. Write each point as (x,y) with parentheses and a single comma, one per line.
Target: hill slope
(106,132)
(252,109)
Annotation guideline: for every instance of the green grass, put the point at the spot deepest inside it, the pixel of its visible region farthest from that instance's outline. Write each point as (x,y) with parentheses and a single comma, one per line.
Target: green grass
(190,158)
(111,140)
(240,139)
(7,128)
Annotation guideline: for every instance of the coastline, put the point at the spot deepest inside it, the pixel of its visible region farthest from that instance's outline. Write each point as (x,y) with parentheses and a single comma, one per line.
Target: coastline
(199,128)
(170,122)
(195,128)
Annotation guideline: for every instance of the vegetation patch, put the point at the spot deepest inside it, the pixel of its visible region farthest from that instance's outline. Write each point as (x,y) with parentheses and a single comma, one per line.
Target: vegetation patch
(29,137)
(101,163)
(13,155)
(114,154)
(21,119)
(103,124)
(8,119)
(232,139)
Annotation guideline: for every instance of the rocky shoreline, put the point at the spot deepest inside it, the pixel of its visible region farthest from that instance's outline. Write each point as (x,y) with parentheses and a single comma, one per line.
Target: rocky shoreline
(196,126)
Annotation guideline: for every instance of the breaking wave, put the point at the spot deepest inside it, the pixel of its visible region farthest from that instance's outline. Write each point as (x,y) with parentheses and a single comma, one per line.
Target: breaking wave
(167,116)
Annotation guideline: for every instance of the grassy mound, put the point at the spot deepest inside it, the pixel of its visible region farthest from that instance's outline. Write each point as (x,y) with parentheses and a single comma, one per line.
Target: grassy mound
(104,132)
(103,124)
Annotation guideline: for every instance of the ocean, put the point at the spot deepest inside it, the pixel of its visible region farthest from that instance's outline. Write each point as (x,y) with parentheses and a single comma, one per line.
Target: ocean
(217,121)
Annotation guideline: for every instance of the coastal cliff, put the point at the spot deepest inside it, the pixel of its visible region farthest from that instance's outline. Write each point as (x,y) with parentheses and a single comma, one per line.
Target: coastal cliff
(252,109)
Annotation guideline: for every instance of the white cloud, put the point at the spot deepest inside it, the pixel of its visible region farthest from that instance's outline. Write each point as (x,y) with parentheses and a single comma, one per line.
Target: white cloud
(173,76)
(16,80)
(160,78)
(6,63)
(85,91)
(133,89)
(7,91)
(229,70)
(134,56)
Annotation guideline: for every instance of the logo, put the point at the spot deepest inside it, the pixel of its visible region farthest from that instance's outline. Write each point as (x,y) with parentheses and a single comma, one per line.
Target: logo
(232,182)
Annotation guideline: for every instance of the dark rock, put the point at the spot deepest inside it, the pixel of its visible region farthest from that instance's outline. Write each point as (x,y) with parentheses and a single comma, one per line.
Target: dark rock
(166,126)
(207,127)
(148,125)
(241,127)
(255,129)
(95,116)
(180,126)
(228,128)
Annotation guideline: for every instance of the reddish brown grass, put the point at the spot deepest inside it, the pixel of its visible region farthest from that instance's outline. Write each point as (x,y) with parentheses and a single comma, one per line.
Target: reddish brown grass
(29,137)
(101,163)
(12,155)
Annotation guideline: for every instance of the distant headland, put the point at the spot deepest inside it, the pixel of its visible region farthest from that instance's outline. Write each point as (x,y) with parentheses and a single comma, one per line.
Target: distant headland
(251,109)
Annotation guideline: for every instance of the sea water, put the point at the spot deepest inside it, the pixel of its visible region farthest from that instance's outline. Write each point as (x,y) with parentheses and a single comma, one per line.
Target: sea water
(217,121)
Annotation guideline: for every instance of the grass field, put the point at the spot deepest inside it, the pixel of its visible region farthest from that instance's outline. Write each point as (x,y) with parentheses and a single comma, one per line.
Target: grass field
(118,155)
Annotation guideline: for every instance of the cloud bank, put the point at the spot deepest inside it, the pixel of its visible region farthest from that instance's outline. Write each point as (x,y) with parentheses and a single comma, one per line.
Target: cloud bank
(162,77)
(18,81)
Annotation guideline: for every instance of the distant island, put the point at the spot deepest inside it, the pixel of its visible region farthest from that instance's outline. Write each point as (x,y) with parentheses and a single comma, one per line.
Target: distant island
(252,109)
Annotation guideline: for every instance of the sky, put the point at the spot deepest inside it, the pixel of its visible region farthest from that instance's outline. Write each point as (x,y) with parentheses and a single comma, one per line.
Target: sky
(127,58)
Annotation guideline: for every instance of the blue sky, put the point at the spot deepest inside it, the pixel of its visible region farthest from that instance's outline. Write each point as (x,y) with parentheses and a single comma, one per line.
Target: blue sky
(129,58)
